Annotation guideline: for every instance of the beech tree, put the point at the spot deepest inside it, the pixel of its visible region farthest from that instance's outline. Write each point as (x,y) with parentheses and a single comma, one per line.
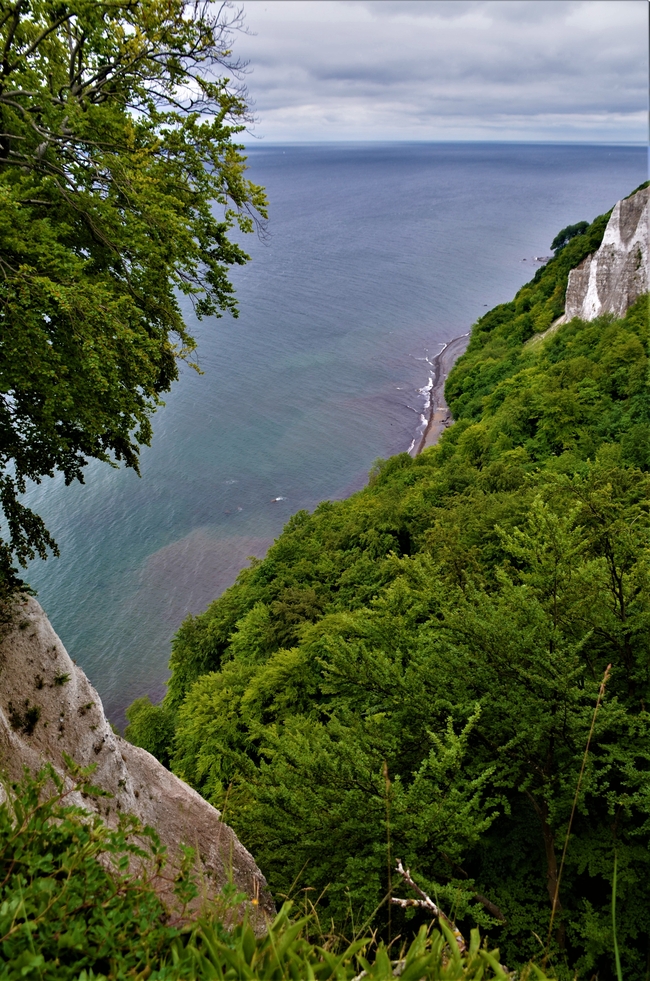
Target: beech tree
(413,672)
(120,182)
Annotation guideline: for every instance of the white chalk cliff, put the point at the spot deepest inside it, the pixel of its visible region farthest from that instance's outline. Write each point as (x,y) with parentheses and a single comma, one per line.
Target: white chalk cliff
(48,707)
(610,280)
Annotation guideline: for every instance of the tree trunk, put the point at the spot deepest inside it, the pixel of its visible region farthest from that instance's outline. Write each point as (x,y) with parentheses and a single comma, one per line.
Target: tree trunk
(551,868)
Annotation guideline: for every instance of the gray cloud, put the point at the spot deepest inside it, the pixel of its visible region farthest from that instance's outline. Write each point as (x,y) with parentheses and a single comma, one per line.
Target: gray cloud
(457,9)
(432,69)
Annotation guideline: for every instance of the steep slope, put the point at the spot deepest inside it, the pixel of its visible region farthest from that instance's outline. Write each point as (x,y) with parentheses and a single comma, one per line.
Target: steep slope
(612,279)
(48,708)
(548,301)
(414,670)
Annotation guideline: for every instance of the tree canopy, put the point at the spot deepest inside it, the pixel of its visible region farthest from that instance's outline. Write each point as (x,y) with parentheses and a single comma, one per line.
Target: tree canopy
(565,235)
(414,671)
(120,182)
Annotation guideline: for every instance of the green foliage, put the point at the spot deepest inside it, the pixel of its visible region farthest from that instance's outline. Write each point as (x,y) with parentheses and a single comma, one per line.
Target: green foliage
(119,185)
(564,236)
(77,900)
(285,952)
(497,337)
(151,727)
(414,670)
(69,906)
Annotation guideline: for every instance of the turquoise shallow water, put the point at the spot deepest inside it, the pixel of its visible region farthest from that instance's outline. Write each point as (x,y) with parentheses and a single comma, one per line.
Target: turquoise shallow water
(377,255)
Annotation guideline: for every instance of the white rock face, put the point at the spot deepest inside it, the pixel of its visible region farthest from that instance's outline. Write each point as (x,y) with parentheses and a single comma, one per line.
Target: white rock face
(610,280)
(48,708)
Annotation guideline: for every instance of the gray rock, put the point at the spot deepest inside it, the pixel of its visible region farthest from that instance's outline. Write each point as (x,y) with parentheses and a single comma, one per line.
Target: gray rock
(48,707)
(610,280)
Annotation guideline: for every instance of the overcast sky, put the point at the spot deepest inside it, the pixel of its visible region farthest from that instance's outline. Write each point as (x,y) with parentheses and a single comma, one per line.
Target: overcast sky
(573,70)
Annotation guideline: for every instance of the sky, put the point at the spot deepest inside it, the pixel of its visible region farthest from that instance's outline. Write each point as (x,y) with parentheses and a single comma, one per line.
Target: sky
(564,70)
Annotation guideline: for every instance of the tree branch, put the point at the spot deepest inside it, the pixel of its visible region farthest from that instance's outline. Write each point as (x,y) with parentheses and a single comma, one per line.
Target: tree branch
(425,902)
(491,907)
(33,46)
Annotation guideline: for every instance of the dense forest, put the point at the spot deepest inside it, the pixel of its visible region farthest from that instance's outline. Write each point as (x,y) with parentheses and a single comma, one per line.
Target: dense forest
(451,667)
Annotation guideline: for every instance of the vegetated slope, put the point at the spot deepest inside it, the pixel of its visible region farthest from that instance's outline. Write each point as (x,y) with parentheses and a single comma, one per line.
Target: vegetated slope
(413,671)
(80,901)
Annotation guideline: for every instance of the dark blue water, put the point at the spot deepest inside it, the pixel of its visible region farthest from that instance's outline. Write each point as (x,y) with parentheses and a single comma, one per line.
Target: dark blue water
(377,254)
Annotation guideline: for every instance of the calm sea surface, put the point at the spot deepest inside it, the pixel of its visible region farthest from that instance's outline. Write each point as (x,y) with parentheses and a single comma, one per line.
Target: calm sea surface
(377,255)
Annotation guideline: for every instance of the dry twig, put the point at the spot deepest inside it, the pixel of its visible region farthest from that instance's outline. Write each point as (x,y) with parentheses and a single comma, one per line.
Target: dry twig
(425,902)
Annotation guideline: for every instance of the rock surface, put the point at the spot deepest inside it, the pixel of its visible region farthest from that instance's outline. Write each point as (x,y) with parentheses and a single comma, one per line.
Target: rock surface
(610,280)
(48,707)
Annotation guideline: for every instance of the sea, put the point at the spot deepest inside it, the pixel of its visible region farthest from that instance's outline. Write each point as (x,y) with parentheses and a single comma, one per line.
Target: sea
(374,256)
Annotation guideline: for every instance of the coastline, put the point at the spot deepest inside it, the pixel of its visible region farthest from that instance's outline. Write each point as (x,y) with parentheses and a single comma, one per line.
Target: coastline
(439,415)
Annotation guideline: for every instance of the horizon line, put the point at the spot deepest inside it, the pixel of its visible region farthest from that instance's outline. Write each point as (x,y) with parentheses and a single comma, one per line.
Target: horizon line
(261,141)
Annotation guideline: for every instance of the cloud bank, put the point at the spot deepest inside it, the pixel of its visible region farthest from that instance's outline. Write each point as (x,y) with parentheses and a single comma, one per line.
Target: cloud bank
(440,70)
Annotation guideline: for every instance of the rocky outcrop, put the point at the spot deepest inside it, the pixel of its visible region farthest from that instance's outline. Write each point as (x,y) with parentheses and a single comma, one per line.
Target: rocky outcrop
(610,280)
(48,708)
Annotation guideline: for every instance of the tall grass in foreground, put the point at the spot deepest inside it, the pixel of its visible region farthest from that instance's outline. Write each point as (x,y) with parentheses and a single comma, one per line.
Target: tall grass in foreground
(285,952)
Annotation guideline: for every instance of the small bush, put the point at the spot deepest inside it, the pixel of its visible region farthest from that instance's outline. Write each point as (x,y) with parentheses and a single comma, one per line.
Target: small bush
(151,727)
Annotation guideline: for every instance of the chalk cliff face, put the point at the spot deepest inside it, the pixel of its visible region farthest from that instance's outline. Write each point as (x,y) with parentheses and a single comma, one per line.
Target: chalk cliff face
(48,708)
(610,280)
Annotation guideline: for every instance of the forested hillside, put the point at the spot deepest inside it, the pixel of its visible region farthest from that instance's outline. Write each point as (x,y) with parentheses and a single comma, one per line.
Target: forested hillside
(413,672)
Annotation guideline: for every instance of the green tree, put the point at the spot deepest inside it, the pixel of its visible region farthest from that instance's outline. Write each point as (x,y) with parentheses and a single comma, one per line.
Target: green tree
(414,670)
(564,236)
(150,726)
(119,184)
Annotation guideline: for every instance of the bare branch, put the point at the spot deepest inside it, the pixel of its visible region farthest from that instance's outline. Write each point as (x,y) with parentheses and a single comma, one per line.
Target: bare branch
(425,902)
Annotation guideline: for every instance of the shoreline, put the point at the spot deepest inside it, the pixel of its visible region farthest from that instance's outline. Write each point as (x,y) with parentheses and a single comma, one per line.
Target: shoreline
(439,414)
